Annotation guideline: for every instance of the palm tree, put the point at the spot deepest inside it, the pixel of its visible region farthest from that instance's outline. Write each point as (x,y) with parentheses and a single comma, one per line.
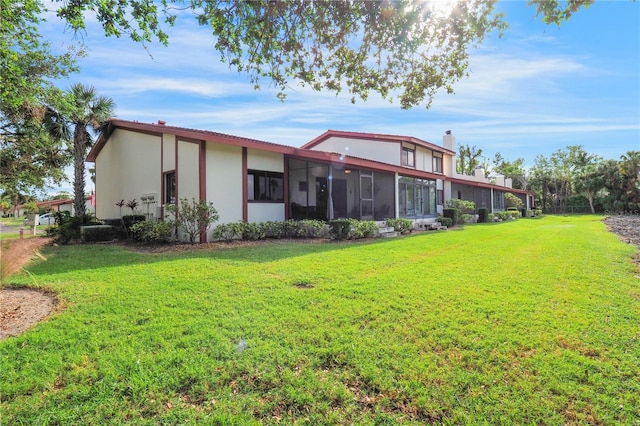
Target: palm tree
(87,110)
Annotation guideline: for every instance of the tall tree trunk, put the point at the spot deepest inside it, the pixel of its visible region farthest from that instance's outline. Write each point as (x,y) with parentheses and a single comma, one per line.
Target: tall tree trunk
(589,196)
(79,149)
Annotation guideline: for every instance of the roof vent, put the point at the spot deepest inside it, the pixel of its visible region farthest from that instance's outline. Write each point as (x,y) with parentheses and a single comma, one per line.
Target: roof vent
(161,122)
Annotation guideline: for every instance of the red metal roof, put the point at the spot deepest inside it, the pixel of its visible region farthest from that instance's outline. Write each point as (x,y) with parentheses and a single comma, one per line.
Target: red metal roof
(304,152)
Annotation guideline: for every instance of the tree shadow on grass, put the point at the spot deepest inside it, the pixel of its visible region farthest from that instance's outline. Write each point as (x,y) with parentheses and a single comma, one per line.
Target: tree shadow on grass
(78,257)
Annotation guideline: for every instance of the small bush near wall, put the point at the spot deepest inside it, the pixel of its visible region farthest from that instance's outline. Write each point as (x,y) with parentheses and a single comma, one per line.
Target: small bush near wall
(536,212)
(118,229)
(228,231)
(400,225)
(69,227)
(483,214)
(271,229)
(514,214)
(152,231)
(468,218)
(252,231)
(491,217)
(453,214)
(501,215)
(363,229)
(131,219)
(339,229)
(445,221)
(94,233)
(309,228)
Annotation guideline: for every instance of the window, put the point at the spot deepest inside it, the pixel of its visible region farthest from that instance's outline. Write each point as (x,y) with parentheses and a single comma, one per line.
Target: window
(440,196)
(408,157)
(169,188)
(437,164)
(265,186)
(417,197)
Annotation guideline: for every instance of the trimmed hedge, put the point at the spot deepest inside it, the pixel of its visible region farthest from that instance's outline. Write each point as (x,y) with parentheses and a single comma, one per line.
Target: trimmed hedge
(445,221)
(94,233)
(339,229)
(130,220)
(400,225)
(453,214)
(483,214)
(152,231)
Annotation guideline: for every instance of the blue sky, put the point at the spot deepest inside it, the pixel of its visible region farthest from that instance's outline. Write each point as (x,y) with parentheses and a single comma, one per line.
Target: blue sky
(537,89)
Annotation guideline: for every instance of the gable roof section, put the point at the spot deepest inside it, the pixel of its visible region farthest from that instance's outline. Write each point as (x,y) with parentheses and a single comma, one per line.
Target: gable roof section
(375,137)
(205,135)
(302,152)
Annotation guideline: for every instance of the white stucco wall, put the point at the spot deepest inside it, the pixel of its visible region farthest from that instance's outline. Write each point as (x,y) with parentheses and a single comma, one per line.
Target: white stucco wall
(168,152)
(127,167)
(188,184)
(424,159)
(224,181)
(385,152)
(265,161)
(262,212)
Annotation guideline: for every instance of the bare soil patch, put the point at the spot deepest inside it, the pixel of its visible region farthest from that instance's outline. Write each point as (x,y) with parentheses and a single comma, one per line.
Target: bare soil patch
(20,308)
(627,227)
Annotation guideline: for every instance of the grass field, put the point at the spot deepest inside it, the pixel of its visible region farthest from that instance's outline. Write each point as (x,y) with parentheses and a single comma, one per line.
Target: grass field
(535,321)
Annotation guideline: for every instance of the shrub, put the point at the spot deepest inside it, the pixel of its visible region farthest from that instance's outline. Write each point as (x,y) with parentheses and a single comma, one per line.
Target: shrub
(290,228)
(228,231)
(251,231)
(453,214)
(339,229)
(514,214)
(445,221)
(129,220)
(309,228)
(363,229)
(117,227)
(491,217)
(461,205)
(93,233)
(193,217)
(511,200)
(502,215)
(272,229)
(537,212)
(152,231)
(69,227)
(483,214)
(400,225)
(468,218)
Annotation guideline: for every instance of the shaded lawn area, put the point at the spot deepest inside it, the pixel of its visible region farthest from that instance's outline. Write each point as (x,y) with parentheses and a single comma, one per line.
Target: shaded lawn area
(528,322)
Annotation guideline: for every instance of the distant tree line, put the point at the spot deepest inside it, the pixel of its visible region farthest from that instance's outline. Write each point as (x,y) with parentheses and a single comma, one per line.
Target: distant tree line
(570,180)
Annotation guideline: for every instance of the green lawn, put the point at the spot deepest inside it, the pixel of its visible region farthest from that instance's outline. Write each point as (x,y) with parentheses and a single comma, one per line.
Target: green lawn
(535,322)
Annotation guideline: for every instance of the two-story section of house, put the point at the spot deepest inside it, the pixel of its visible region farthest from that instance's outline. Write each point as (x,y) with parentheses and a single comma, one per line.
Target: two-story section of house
(339,174)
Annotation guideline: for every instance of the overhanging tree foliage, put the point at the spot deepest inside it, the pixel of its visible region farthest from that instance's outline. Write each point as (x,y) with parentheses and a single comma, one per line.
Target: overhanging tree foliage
(31,150)
(405,50)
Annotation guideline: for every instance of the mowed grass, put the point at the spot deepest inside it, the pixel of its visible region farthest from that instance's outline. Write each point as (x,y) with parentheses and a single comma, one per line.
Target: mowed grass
(526,322)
